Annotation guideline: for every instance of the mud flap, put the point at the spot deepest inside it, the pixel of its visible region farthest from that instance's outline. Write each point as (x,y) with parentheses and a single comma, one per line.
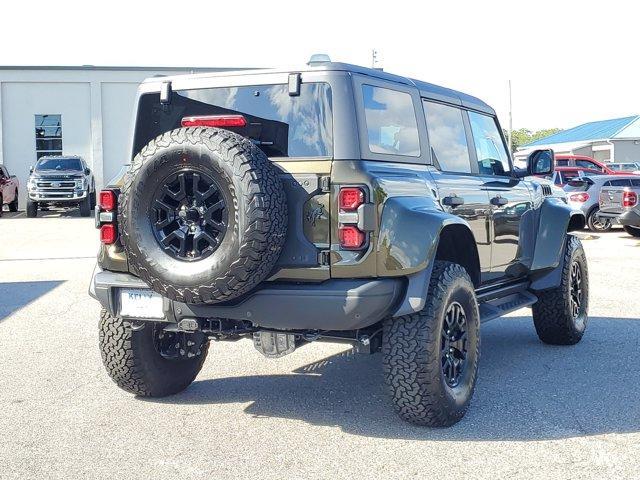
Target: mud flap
(274,345)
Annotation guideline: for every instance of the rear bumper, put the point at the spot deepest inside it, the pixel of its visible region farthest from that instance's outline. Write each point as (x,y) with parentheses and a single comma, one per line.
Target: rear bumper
(332,305)
(629,218)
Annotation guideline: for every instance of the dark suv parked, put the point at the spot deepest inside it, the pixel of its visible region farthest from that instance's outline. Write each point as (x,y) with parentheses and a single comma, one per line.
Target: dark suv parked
(333,203)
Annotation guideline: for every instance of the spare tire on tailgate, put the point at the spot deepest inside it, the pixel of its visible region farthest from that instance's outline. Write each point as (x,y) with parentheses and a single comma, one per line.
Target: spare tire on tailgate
(202,215)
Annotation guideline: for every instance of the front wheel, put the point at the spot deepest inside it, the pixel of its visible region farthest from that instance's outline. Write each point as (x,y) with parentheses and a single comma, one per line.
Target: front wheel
(430,358)
(597,224)
(32,209)
(13,206)
(560,315)
(633,231)
(85,207)
(149,361)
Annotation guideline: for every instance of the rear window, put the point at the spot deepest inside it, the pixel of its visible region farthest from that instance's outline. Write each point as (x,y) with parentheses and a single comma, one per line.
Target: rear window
(280,124)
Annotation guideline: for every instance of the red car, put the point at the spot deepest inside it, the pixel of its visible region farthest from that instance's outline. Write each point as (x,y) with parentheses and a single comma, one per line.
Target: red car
(583,162)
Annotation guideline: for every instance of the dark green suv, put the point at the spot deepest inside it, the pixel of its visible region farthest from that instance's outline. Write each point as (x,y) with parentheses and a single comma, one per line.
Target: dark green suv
(333,203)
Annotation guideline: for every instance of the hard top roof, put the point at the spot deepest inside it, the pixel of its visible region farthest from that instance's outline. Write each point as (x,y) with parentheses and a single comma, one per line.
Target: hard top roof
(426,89)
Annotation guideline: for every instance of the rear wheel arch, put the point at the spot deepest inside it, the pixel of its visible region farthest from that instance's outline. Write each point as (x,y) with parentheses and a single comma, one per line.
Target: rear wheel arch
(456,244)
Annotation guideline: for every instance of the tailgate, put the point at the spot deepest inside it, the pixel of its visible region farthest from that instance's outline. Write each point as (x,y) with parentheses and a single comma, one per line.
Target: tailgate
(611,199)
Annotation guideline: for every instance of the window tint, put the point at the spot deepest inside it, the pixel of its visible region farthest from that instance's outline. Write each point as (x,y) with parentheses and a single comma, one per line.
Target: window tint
(588,164)
(492,156)
(449,149)
(562,162)
(48,135)
(59,164)
(635,182)
(621,182)
(280,124)
(391,122)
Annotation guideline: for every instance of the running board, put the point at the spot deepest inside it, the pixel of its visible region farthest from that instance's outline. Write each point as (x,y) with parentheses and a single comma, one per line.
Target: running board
(499,307)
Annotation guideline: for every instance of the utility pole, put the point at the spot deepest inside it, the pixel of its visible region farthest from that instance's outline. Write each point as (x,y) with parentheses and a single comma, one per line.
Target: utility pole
(510,121)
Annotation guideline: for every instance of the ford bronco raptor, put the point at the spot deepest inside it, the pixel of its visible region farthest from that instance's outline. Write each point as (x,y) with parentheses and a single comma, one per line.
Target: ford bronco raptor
(335,203)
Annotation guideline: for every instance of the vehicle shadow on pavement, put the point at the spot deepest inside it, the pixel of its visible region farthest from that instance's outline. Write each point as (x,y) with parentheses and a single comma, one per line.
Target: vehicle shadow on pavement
(526,390)
(16,295)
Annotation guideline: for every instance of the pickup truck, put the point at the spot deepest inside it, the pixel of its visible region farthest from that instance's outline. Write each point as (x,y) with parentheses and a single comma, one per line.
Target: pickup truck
(9,185)
(619,203)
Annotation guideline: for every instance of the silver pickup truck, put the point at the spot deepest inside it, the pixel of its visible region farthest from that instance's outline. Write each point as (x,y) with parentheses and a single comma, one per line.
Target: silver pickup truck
(619,203)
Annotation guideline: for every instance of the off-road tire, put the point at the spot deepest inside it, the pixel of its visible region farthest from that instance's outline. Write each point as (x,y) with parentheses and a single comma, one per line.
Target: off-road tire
(32,209)
(633,231)
(255,201)
(92,200)
(593,222)
(85,207)
(412,356)
(552,316)
(135,365)
(13,206)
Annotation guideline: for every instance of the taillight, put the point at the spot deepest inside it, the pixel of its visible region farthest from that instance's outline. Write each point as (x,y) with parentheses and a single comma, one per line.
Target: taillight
(107,200)
(214,121)
(351,236)
(108,233)
(350,233)
(579,197)
(106,216)
(629,198)
(350,198)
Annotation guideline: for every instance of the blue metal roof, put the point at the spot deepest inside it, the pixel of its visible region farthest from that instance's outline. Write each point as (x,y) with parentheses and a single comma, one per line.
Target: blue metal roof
(599,130)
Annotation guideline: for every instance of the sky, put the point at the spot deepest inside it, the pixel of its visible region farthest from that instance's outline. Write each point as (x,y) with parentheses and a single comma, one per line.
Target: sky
(569,62)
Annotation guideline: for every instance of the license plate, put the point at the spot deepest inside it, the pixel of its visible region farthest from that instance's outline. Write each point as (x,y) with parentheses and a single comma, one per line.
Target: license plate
(139,303)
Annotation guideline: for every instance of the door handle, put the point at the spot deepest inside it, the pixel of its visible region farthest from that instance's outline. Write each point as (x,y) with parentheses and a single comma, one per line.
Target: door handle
(499,201)
(453,201)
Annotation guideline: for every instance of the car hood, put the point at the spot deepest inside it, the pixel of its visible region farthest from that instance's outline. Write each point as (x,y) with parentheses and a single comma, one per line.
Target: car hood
(62,174)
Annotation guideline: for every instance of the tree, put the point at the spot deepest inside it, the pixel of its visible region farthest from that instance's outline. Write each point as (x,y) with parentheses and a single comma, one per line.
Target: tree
(523,136)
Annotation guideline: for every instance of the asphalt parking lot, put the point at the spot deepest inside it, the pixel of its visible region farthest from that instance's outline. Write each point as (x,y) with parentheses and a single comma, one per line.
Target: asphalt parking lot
(538,411)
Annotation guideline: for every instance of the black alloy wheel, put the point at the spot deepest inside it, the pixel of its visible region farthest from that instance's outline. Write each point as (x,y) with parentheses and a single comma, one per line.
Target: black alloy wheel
(454,344)
(189,215)
(576,290)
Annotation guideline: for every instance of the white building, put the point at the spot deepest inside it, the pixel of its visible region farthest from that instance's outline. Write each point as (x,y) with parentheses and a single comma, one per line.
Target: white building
(84,111)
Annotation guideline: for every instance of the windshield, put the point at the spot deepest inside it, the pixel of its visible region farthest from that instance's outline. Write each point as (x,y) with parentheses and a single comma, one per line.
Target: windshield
(59,164)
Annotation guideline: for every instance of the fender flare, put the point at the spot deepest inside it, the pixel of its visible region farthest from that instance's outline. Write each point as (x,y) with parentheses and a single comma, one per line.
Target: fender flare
(410,230)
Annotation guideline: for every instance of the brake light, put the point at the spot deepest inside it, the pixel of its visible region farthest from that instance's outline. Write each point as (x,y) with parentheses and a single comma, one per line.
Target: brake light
(107,200)
(351,236)
(579,197)
(629,198)
(214,121)
(350,198)
(108,233)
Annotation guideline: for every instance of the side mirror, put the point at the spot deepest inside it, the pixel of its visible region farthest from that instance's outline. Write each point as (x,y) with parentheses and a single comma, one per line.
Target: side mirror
(539,163)
(31,169)
(87,171)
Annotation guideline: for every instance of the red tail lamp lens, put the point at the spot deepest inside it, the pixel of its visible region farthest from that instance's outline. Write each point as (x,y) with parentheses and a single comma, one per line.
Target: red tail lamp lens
(108,233)
(214,121)
(107,200)
(579,197)
(351,237)
(629,199)
(350,198)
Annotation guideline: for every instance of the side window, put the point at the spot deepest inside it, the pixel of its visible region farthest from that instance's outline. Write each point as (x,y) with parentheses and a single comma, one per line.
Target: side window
(620,183)
(588,164)
(391,122)
(563,162)
(635,182)
(449,149)
(492,156)
(3,173)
